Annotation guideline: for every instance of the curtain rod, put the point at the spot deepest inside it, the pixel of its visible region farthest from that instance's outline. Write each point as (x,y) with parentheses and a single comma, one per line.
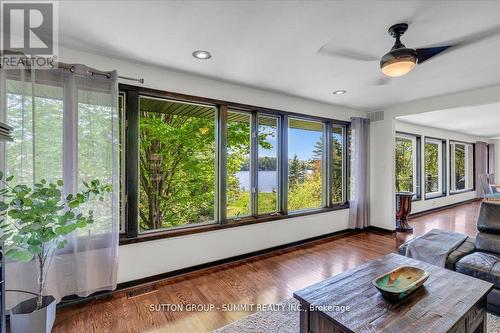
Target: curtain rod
(71,68)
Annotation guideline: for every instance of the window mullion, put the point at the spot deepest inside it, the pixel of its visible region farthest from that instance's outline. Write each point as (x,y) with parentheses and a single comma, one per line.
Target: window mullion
(132,164)
(221,165)
(345,164)
(254,164)
(327,165)
(283,166)
(444,169)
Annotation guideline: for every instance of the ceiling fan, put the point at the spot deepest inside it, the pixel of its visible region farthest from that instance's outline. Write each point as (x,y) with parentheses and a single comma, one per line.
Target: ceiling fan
(400,60)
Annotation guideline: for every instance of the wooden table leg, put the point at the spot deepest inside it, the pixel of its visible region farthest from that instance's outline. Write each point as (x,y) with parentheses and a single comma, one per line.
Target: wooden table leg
(482,328)
(304,319)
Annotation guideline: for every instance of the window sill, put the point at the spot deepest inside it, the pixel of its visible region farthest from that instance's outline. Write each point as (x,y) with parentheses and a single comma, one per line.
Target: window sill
(150,236)
(462,191)
(431,196)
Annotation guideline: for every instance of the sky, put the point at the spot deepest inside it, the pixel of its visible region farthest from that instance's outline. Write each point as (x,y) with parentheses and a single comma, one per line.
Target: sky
(300,142)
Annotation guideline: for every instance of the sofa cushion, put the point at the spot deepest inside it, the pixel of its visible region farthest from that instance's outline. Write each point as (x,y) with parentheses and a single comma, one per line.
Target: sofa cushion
(488,242)
(489,217)
(481,265)
(467,247)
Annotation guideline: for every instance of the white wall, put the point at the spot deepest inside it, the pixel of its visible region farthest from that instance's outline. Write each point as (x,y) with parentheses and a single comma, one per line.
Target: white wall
(423,131)
(382,132)
(155,257)
(382,175)
(186,83)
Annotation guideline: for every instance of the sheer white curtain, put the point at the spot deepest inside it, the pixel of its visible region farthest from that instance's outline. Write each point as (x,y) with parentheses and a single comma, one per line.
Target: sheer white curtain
(66,127)
(481,167)
(358,203)
(491,162)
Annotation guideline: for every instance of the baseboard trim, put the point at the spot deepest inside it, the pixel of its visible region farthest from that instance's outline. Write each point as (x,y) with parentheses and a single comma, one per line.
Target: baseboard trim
(437,209)
(381,230)
(124,286)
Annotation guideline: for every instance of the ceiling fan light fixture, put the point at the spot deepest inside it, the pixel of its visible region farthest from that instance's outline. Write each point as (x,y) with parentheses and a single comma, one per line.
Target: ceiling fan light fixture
(398,62)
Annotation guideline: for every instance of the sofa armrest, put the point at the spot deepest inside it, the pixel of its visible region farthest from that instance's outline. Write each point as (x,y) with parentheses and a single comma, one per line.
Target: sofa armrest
(467,247)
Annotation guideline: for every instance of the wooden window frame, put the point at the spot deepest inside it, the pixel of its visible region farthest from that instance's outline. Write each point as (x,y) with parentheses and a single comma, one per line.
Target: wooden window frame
(131,188)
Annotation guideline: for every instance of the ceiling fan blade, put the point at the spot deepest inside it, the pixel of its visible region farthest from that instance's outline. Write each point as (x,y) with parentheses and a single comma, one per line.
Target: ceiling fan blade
(429,52)
(433,50)
(347,54)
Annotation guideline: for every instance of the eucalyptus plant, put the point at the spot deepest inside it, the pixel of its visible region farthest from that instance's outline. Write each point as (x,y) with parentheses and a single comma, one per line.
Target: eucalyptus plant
(35,221)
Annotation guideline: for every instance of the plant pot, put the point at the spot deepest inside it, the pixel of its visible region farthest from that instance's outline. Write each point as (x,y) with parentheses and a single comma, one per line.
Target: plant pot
(25,319)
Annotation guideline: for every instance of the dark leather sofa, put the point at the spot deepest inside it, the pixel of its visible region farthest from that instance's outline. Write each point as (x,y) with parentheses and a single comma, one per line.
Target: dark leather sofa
(480,257)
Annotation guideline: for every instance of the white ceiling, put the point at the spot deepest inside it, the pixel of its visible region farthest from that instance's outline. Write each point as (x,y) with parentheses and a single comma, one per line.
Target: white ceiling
(482,120)
(273,44)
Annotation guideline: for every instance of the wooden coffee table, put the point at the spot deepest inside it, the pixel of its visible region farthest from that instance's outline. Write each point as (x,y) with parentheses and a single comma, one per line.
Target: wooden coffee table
(348,302)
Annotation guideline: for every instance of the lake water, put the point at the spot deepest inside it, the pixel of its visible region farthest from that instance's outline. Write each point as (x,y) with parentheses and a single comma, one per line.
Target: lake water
(267,180)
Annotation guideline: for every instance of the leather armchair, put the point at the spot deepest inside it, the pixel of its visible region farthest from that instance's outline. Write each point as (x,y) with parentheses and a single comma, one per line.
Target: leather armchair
(484,263)
(480,257)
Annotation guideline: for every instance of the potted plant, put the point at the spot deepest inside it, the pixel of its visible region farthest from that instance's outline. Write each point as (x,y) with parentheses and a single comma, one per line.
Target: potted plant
(33,223)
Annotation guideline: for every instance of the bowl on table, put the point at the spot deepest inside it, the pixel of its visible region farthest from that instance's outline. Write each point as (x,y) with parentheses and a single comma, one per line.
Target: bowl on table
(400,282)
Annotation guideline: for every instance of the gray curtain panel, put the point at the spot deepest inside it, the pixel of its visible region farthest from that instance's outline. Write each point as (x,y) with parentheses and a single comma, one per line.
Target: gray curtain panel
(481,165)
(491,162)
(358,203)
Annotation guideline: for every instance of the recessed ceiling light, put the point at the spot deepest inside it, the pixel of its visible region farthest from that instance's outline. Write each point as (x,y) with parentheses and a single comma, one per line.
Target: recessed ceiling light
(339,92)
(203,55)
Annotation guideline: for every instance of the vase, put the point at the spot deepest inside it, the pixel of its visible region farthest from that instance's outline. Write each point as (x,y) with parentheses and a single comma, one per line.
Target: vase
(24,318)
(403,210)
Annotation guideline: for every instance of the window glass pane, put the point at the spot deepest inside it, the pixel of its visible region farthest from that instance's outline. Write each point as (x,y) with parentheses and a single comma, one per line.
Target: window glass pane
(338,164)
(37,150)
(470,166)
(268,165)
(433,167)
(238,164)
(305,154)
(405,165)
(460,165)
(177,164)
(95,151)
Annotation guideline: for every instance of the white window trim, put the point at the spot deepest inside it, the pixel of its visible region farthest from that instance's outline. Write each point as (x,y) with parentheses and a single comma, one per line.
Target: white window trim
(413,140)
(469,185)
(439,192)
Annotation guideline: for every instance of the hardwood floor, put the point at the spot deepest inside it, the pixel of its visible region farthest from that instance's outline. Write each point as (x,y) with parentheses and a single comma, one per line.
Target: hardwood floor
(266,279)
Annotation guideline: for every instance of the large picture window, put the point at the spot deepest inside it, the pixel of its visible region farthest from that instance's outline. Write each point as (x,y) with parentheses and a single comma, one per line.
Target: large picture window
(305,164)
(407,157)
(196,164)
(268,176)
(238,164)
(176,163)
(461,166)
(434,160)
